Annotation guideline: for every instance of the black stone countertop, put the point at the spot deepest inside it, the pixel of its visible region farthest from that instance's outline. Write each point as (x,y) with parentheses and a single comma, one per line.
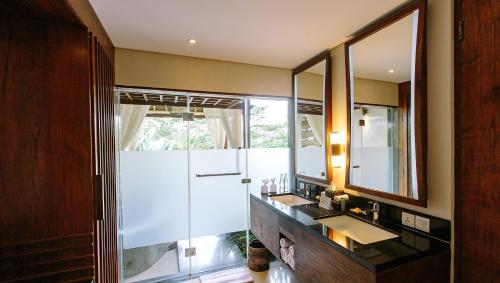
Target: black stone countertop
(409,246)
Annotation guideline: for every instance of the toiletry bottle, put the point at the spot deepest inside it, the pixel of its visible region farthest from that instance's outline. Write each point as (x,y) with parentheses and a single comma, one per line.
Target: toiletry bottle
(264,188)
(273,188)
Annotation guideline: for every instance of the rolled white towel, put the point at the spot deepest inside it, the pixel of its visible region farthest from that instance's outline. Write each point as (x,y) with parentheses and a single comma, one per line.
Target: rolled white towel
(291,261)
(284,254)
(285,243)
(291,250)
(340,197)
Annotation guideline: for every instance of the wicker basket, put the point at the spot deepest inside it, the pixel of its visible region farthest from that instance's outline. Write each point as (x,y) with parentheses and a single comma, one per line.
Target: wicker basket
(258,256)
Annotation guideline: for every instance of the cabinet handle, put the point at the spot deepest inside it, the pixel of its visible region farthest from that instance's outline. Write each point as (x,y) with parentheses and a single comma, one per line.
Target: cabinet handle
(99,205)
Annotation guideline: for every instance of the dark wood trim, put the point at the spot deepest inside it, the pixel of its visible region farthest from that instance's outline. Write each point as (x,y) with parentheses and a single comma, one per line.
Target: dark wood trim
(388,19)
(205,91)
(458,192)
(420,98)
(328,116)
(327,96)
(404,99)
(312,179)
(312,100)
(375,104)
(385,195)
(83,10)
(311,62)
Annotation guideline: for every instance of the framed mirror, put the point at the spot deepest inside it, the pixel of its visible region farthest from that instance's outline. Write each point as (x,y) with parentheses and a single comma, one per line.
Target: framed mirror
(312,111)
(386,94)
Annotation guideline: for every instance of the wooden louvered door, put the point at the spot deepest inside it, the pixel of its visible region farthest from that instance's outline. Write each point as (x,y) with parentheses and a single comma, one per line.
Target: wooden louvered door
(102,99)
(46,220)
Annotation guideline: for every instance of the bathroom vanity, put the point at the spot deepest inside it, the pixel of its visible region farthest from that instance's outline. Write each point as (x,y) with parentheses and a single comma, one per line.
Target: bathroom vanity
(335,252)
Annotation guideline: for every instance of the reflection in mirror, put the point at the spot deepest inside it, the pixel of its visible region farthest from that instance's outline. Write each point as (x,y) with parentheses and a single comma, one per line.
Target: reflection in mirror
(310,122)
(382,132)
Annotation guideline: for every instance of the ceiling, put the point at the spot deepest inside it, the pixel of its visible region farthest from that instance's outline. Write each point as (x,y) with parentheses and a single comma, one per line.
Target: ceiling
(388,49)
(278,33)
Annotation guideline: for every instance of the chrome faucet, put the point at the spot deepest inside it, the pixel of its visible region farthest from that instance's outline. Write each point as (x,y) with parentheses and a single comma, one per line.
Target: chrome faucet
(375,210)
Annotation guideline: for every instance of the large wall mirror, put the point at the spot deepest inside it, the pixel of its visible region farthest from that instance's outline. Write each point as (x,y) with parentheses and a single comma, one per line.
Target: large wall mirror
(312,100)
(387,101)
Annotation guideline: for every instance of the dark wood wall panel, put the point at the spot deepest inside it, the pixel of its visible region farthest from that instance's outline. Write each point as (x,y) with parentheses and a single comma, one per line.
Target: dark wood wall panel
(57,159)
(104,159)
(477,141)
(45,148)
(45,169)
(56,259)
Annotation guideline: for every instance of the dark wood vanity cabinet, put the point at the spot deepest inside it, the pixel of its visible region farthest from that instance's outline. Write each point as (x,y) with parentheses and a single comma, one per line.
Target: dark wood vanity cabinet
(264,224)
(317,261)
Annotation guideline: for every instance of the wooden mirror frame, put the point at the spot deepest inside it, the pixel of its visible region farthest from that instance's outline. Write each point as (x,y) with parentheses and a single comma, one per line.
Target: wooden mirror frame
(327,112)
(420,106)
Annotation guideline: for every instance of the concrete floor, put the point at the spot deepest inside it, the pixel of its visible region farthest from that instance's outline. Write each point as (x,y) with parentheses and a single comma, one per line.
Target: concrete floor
(212,253)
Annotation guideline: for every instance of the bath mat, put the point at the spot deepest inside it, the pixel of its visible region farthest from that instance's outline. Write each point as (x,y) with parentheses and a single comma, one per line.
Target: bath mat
(236,275)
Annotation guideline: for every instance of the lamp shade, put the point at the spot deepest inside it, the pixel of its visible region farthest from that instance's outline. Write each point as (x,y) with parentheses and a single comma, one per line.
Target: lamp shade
(338,149)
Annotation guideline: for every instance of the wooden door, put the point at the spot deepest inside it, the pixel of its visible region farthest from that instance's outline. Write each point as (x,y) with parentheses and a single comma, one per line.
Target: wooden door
(46,219)
(477,140)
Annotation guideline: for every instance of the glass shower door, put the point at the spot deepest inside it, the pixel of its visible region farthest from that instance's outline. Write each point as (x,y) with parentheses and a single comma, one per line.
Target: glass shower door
(218,198)
(374,152)
(154,190)
(184,196)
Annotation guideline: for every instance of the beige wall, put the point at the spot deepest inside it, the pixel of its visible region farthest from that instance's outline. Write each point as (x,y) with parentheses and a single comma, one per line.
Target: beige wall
(138,68)
(149,69)
(310,86)
(375,92)
(440,110)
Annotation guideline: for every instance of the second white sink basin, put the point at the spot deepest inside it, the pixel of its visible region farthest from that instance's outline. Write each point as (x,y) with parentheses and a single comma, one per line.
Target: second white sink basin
(357,230)
(291,200)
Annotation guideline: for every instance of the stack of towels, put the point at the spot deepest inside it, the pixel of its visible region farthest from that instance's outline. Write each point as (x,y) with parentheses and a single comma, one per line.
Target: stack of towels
(287,252)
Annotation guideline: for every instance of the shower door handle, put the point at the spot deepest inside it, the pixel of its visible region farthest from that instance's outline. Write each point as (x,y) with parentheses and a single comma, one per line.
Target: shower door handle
(218,174)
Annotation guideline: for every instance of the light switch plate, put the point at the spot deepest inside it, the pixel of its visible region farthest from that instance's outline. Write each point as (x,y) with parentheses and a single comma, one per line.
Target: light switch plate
(408,219)
(423,223)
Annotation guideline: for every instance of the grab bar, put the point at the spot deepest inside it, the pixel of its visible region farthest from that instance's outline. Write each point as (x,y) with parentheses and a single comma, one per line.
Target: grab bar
(219,174)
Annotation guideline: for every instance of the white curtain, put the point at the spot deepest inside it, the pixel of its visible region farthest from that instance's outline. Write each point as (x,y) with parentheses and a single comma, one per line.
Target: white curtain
(212,118)
(233,126)
(225,123)
(131,118)
(316,123)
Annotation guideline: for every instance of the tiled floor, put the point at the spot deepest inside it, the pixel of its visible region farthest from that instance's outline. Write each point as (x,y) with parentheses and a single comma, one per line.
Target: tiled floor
(278,273)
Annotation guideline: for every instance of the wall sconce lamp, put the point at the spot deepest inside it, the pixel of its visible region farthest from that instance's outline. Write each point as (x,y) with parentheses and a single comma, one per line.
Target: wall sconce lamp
(338,150)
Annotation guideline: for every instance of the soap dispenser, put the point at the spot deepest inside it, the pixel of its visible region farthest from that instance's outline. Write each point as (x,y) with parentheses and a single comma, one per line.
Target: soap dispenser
(274,188)
(264,188)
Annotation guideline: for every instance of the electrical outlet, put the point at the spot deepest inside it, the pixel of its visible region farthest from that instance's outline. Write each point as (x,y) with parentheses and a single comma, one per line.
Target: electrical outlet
(408,219)
(423,223)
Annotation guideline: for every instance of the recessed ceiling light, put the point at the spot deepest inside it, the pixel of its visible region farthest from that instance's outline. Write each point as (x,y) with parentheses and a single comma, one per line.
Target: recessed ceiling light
(391,71)
(192,40)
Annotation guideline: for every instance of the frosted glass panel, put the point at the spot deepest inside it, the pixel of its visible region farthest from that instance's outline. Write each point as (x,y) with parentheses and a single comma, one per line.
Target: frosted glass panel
(266,163)
(218,204)
(154,192)
(312,162)
(374,157)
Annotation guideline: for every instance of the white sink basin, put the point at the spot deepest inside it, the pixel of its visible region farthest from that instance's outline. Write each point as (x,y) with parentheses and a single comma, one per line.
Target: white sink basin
(291,200)
(357,230)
